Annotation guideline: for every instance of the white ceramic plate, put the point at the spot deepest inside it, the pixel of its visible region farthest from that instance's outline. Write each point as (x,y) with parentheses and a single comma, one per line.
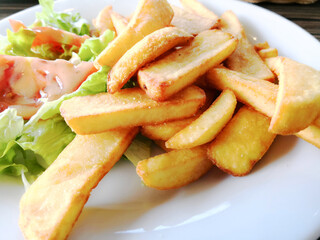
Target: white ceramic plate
(280,199)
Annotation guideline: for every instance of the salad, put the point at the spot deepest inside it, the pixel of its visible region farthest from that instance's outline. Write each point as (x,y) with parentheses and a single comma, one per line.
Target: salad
(54,58)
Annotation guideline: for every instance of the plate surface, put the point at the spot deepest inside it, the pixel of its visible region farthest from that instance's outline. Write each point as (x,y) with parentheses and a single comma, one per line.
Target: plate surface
(280,199)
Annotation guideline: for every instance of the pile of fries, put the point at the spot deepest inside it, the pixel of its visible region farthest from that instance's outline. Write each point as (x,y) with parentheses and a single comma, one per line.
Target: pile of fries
(205,94)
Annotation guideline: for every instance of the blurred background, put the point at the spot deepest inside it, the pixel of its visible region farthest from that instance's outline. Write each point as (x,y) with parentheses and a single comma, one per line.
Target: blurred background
(305,15)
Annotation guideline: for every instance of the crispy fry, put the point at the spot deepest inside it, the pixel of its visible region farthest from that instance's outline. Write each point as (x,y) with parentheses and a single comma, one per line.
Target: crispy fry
(257,93)
(190,22)
(127,108)
(198,8)
(242,143)
(165,130)
(144,51)
(298,99)
(103,20)
(167,76)
(174,169)
(52,204)
(261,45)
(205,128)
(149,16)
(119,22)
(268,52)
(311,134)
(244,59)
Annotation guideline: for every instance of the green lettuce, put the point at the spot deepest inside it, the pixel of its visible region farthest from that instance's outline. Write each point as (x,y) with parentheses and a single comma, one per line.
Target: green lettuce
(13,158)
(71,22)
(20,44)
(92,47)
(139,149)
(47,139)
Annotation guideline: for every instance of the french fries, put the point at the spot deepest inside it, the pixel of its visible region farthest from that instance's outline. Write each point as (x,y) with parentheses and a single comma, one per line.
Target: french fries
(242,143)
(146,50)
(190,22)
(103,21)
(174,169)
(127,108)
(169,108)
(52,204)
(259,94)
(167,76)
(149,16)
(205,128)
(244,59)
(119,22)
(298,99)
(198,8)
(166,130)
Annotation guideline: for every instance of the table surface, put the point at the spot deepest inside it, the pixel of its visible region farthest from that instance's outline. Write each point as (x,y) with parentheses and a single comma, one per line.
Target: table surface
(306,16)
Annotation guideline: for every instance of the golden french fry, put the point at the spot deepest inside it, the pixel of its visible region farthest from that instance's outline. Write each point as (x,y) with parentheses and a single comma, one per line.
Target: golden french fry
(242,143)
(52,204)
(143,52)
(162,145)
(198,8)
(268,53)
(168,75)
(261,45)
(119,22)
(103,20)
(205,128)
(298,99)
(257,93)
(310,134)
(244,59)
(127,108)
(150,15)
(190,22)
(174,169)
(165,130)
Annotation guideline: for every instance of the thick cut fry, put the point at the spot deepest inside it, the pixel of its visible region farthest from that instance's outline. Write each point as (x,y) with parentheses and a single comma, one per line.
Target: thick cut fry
(52,204)
(119,22)
(165,130)
(146,50)
(149,16)
(103,20)
(311,134)
(257,93)
(174,169)
(242,143)
(244,59)
(205,128)
(298,99)
(127,108)
(167,76)
(198,8)
(261,45)
(268,53)
(191,23)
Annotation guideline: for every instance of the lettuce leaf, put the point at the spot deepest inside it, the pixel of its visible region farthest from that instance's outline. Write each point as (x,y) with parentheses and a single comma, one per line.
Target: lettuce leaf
(92,47)
(13,158)
(71,22)
(20,44)
(47,139)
